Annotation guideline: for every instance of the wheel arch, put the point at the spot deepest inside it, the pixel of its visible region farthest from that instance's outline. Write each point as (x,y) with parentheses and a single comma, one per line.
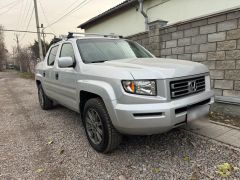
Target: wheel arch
(38,82)
(84,97)
(103,90)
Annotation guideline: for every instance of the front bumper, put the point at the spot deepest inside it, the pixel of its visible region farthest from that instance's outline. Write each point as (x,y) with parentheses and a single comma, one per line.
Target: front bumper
(147,119)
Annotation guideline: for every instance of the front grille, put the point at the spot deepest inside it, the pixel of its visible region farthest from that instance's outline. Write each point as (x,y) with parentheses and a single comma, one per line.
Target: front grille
(185,87)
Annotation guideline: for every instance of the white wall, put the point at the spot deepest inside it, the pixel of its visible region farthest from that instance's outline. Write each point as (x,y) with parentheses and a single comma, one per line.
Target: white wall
(127,23)
(131,21)
(180,10)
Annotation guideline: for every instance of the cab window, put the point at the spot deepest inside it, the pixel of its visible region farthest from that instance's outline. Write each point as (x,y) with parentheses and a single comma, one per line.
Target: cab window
(52,55)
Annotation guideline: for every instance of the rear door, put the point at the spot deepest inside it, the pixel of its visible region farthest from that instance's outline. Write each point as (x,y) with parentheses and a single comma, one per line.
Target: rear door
(48,82)
(66,78)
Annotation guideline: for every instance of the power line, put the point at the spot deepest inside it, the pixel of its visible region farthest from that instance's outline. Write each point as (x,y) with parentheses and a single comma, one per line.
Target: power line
(34,32)
(71,5)
(28,10)
(21,13)
(10,8)
(8,5)
(46,17)
(27,25)
(81,6)
(73,10)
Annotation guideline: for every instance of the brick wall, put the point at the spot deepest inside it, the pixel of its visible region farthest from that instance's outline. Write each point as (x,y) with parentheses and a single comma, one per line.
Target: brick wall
(212,40)
(141,38)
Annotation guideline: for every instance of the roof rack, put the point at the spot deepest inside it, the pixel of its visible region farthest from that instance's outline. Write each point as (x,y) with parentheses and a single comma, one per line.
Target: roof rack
(112,35)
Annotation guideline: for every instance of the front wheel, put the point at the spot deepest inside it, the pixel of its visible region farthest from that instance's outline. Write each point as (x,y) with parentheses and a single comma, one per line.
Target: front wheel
(44,101)
(101,134)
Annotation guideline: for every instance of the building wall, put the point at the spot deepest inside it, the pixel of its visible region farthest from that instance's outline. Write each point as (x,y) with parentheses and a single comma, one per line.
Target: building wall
(211,40)
(180,10)
(131,21)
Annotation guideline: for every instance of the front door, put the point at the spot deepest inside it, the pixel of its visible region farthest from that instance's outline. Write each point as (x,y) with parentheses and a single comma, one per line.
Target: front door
(66,78)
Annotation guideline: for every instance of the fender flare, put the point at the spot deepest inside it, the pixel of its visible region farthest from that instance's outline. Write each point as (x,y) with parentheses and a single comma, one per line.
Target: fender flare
(102,89)
(38,77)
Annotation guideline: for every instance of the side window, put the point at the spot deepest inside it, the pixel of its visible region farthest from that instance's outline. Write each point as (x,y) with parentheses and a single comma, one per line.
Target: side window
(67,51)
(52,56)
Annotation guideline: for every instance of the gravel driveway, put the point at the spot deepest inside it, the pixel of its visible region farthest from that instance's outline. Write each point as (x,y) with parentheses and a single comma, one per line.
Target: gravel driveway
(26,150)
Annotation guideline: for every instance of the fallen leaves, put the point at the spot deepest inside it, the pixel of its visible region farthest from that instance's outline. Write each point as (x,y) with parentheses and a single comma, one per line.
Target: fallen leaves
(226,169)
(186,158)
(224,118)
(156,170)
(50,142)
(39,170)
(61,152)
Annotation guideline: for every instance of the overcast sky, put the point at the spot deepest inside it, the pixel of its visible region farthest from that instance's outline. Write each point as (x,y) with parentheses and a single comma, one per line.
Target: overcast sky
(15,14)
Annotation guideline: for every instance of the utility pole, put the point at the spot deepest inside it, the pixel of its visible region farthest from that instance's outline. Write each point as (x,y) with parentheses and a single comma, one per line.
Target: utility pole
(18,51)
(38,31)
(44,45)
(17,40)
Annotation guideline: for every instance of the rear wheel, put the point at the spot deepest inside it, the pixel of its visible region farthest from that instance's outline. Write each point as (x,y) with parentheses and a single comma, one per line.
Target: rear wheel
(101,134)
(44,101)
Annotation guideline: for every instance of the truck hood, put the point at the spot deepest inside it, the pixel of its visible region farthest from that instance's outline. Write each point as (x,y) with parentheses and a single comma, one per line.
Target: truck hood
(157,68)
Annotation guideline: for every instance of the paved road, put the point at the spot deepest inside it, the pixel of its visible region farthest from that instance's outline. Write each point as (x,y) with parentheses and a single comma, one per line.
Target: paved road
(25,131)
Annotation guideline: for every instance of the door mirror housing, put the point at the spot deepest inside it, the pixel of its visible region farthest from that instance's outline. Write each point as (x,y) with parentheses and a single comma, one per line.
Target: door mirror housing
(65,62)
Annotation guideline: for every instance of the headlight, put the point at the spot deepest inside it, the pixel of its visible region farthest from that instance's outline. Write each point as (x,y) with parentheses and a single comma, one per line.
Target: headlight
(141,87)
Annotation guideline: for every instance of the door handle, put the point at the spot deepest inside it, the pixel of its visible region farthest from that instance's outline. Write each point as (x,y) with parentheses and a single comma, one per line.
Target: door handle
(56,76)
(44,74)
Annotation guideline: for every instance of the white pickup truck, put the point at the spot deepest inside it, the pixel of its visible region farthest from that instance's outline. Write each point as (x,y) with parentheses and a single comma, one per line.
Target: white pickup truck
(119,87)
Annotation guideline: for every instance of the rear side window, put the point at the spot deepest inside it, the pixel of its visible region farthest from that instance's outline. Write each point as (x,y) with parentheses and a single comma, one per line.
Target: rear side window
(67,51)
(52,56)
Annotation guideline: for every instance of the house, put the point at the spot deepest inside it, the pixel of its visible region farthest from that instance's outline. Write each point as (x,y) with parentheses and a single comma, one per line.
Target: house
(126,18)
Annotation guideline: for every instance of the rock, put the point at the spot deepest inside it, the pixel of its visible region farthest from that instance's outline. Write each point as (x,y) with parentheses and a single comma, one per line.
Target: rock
(122,177)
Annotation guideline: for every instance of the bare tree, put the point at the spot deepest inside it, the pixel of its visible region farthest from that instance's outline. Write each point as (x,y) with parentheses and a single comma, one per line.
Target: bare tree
(24,58)
(2,49)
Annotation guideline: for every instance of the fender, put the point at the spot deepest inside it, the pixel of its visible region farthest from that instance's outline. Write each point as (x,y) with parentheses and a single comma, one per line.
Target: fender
(102,89)
(38,76)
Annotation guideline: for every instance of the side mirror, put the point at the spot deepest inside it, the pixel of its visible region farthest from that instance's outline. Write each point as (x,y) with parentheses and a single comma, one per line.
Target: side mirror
(65,62)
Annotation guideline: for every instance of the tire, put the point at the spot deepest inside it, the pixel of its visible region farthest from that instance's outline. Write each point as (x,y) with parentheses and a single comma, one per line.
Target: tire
(44,101)
(110,138)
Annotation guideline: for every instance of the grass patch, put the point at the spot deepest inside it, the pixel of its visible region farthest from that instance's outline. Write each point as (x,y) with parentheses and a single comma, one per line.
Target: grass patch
(26,75)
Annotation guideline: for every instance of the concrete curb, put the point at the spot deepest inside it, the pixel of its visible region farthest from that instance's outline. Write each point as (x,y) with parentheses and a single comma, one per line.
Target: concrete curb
(223,124)
(218,132)
(213,140)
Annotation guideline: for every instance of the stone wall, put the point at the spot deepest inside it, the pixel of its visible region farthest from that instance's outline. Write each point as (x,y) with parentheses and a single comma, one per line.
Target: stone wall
(212,40)
(141,38)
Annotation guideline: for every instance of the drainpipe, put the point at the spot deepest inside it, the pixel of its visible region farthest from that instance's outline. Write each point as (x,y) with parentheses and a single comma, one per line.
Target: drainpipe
(143,13)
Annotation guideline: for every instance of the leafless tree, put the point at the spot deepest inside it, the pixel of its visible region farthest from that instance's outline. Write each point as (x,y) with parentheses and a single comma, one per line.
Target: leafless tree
(24,58)
(2,49)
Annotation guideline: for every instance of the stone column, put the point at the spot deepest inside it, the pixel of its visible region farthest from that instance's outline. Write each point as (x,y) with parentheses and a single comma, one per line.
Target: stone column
(154,36)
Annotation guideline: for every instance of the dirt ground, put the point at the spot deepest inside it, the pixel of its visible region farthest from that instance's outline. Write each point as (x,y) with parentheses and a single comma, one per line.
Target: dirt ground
(37,144)
(225,118)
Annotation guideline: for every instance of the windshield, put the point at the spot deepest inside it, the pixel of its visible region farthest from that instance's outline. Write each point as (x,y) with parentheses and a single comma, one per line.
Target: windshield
(100,50)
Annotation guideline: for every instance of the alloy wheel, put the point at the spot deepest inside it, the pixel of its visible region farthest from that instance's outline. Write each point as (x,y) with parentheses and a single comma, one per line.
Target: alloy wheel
(40,97)
(94,126)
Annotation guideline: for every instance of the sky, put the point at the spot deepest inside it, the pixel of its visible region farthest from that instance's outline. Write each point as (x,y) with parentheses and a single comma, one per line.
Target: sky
(16,14)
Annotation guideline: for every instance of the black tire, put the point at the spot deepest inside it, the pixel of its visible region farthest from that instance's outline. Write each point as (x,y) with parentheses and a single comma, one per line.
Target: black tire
(111,138)
(44,101)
